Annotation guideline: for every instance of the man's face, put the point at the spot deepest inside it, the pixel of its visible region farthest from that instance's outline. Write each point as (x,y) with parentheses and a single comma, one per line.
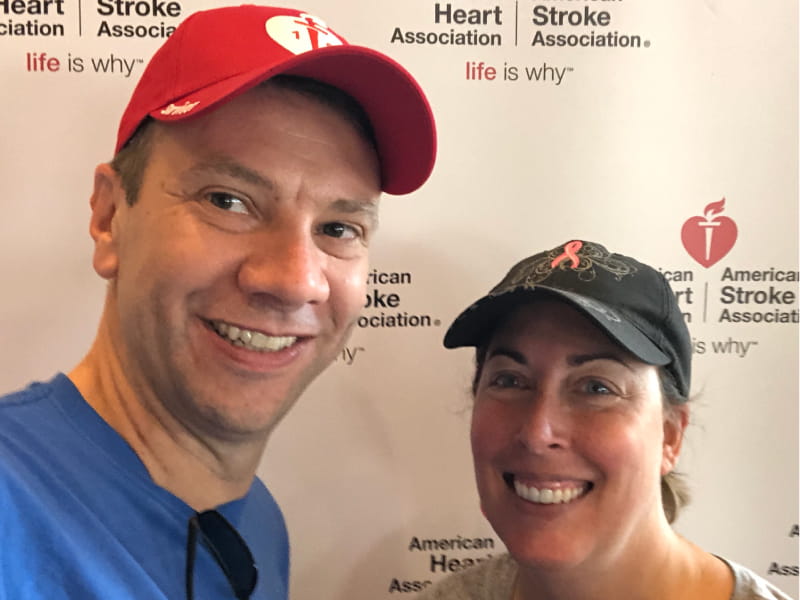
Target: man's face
(238,273)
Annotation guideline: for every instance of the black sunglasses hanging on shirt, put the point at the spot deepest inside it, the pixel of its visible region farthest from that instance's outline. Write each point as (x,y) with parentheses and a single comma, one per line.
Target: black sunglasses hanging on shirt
(227,547)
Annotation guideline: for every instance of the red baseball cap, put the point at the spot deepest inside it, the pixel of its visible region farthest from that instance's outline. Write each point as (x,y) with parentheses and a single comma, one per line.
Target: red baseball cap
(214,55)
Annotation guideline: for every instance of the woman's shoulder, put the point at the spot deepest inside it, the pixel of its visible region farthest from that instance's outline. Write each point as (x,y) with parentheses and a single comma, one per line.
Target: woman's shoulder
(491,579)
(750,586)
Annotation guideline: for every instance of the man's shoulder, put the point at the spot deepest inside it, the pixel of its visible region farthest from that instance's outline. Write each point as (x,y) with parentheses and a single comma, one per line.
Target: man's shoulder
(491,579)
(51,441)
(38,396)
(27,415)
(31,395)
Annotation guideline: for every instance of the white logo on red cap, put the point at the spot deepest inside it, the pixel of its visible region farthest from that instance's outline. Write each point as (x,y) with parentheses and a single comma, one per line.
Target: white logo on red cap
(178,109)
(301,33)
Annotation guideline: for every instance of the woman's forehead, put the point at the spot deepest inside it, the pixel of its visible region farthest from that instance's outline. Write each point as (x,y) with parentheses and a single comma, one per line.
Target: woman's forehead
(546,315)
(553,323)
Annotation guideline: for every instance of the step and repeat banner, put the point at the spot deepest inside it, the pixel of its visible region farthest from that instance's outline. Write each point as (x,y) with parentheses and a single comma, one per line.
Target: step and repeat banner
(663,129)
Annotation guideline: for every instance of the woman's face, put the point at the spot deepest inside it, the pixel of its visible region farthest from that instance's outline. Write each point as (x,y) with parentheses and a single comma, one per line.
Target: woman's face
(569,441)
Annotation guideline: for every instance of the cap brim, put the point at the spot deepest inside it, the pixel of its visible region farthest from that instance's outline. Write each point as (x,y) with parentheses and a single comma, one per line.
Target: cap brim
(476,323)
(395,104)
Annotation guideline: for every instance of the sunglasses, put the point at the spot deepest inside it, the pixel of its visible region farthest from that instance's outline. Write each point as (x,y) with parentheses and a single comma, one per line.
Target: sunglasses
(228,549)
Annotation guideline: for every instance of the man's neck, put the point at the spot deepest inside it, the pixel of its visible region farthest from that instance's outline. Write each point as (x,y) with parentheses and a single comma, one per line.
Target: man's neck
(202,472)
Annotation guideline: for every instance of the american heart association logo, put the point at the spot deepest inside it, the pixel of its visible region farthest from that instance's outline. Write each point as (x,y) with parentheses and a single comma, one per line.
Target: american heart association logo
(302,33)
(709,238)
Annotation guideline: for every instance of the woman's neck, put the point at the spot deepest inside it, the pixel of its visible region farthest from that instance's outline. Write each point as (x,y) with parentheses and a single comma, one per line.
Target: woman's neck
(666,568)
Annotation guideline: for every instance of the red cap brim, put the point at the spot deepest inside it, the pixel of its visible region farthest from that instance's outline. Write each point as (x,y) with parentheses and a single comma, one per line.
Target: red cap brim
(395,104)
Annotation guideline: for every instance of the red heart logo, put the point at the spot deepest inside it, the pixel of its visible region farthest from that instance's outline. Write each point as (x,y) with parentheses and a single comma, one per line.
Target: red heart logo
(708,240)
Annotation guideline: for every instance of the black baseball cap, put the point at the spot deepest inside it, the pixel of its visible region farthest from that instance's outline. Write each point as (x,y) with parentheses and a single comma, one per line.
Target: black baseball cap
(629,300)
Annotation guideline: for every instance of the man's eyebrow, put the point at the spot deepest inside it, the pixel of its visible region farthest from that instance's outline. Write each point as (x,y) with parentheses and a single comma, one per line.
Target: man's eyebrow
(231,168)
(365,207)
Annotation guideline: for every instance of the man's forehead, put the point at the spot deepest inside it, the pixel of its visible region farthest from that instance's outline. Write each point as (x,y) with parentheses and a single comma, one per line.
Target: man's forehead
(276,99)
(279,108)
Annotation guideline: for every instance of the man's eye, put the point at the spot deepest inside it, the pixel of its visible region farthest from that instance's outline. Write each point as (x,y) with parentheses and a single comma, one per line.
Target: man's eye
(598,387)
(339,230)
(227,202)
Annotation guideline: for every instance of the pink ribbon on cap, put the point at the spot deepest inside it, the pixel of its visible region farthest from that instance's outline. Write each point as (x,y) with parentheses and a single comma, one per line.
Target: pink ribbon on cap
(569,253)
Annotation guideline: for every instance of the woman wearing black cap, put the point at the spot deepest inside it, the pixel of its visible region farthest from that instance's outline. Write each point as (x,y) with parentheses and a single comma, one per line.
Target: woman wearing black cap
(582,376)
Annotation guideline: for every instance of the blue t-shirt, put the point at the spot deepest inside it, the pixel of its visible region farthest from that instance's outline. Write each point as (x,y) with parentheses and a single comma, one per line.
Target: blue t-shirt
(80,517)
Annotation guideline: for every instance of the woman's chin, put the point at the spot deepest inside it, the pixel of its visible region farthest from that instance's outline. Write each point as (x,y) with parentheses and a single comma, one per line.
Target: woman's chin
(544,557)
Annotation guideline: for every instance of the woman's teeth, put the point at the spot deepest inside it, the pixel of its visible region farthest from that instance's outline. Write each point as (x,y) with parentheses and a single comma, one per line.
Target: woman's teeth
(546,495)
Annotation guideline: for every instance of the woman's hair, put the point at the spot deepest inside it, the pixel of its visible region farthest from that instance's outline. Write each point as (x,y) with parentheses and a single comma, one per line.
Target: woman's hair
(674,488)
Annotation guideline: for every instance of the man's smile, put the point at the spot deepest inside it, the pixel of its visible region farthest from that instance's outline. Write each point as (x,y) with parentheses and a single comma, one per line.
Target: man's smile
(251,339)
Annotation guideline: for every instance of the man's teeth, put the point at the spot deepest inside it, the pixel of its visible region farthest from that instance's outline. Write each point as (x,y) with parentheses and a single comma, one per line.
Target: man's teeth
(547,495)
(252,340)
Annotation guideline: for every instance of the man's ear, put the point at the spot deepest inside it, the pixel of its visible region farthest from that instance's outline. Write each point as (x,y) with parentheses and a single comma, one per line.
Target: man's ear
(676,418)
(107,200)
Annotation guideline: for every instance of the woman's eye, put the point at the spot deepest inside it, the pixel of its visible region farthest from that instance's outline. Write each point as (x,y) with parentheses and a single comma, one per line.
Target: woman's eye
(227,202)
(505,380)
(339,230)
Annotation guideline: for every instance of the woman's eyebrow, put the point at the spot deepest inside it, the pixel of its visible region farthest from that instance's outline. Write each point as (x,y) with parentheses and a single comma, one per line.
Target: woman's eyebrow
(514,355)
(579,359)
(575,360)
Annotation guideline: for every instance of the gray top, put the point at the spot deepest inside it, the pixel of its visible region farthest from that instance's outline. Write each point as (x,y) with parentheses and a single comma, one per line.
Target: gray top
(493,579)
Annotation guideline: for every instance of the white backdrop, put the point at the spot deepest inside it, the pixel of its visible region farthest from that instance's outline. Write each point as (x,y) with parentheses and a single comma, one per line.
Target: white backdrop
(621,145)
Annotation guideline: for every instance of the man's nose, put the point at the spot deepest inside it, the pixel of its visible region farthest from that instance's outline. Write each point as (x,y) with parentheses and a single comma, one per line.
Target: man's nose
(284,266)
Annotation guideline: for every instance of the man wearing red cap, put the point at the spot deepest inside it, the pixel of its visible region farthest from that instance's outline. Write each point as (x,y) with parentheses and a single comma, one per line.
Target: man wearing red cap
(233,228)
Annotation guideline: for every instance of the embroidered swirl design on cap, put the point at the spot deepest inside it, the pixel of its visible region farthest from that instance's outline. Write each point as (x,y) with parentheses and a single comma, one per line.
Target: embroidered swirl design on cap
(581,257)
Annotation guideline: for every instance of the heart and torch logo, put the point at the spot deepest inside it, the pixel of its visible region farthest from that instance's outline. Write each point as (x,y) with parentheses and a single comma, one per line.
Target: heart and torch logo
(709,238)
(302,33)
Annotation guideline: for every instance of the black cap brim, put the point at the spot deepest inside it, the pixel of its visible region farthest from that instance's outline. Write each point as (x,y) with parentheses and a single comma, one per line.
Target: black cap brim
(473,326)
